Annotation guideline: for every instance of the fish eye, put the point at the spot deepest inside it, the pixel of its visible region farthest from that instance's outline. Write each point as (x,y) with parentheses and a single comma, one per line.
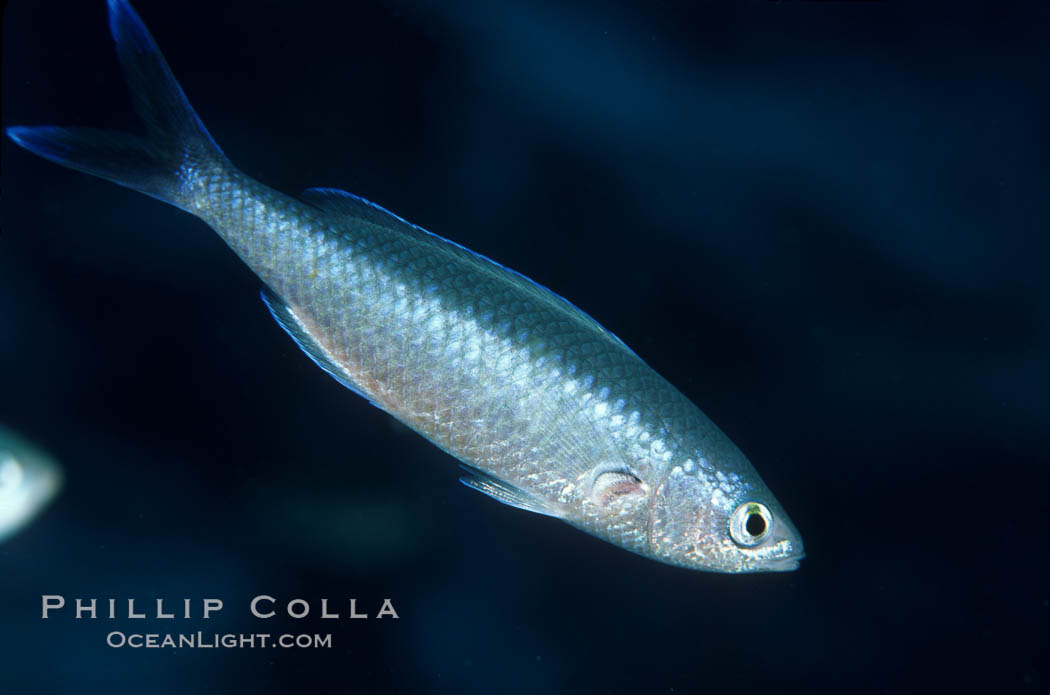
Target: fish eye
(750,524)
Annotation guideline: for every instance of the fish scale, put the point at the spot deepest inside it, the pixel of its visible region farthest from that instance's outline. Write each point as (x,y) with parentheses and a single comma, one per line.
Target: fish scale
(545,409)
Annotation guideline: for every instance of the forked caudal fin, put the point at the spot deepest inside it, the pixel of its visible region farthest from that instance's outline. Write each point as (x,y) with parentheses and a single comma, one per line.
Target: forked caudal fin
(149,163)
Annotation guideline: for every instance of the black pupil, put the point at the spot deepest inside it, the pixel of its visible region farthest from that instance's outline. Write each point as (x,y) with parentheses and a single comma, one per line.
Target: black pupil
(755,525)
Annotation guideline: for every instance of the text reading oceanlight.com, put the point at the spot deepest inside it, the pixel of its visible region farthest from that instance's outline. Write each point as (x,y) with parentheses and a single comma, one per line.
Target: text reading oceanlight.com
(200,640)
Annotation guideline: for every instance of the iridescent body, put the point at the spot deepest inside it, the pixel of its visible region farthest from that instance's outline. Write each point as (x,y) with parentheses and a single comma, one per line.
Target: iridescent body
(548,411)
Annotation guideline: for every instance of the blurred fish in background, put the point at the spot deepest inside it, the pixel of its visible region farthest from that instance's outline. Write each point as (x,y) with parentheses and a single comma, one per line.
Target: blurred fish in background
(29,480)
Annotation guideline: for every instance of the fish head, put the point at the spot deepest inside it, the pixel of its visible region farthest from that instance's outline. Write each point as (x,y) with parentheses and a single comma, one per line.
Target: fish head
(721,519)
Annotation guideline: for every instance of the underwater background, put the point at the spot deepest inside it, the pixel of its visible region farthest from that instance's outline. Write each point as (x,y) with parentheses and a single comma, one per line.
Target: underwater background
(826,223)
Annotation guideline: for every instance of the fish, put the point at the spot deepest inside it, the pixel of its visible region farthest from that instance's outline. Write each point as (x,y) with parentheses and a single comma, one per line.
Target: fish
(544,409)
(29,480)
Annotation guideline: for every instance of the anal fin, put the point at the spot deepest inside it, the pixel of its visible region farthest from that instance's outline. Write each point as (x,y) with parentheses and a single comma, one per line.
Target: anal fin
(285,317)
(504,492)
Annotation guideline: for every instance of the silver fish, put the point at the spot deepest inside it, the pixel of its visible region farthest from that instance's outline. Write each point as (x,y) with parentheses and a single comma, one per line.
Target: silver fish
(29,479)
(546,410)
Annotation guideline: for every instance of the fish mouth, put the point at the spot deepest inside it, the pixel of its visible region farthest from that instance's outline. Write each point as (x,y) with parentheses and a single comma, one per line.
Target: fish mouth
(782,564)
(784,556)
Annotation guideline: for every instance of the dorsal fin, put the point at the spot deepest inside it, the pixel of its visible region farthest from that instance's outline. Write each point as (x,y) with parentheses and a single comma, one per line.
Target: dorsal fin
(286,319)
(340,202)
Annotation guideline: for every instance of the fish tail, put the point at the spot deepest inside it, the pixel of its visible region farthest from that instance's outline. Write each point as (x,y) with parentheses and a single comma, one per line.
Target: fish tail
(175,141)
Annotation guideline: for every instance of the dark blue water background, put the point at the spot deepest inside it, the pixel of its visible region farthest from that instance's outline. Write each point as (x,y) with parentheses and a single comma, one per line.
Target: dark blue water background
(827,223)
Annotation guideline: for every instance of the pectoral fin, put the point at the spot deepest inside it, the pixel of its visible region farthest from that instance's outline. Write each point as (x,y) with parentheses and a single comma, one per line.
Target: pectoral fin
(506,493)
